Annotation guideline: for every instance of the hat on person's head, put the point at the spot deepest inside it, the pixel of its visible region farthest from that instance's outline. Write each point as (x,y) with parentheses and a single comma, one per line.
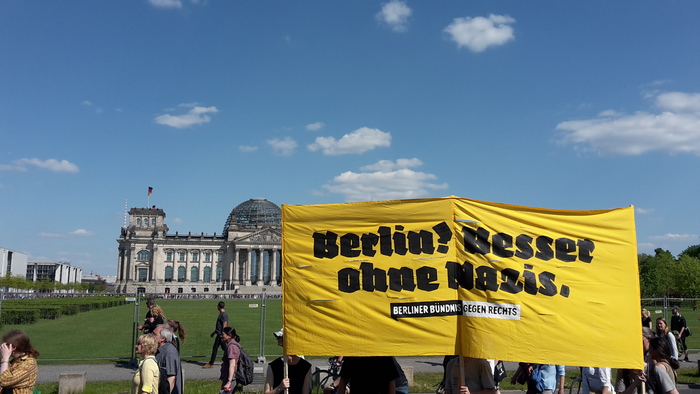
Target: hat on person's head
(675,308)
(279,334)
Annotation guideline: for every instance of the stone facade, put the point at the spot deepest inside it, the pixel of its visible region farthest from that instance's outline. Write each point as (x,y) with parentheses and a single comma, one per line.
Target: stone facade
(246,256)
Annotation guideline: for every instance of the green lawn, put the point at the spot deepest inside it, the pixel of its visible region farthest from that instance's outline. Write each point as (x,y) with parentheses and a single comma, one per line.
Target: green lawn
(106,333)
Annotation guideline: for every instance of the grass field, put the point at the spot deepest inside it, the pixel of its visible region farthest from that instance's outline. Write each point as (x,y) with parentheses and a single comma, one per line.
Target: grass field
(106,333)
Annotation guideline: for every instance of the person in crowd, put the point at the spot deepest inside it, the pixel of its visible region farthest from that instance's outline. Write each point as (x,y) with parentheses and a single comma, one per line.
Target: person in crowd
(598,380)
(552,378)
(147,376)
(478,377)
(168,362)
(179,332)
(158,316)
(18,368)
(368,375)
(232,352)
(221,323)
(646,319)
(298,379)
(660,353)
(680,326)
(148,325)
(626,377)
(401,383)
(662,331)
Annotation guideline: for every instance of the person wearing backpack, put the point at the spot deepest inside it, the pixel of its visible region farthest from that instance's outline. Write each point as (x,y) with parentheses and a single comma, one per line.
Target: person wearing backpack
(232,354)
(298,371)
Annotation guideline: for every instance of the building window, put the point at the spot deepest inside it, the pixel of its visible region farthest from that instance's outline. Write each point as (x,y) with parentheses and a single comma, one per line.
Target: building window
(153,222)
(143,255)
(168,274)
(207,274)
(194,274)
(181,274)
(179,289)
(194,290)
(219,273)
(220,257)
(206,289)
(138,221)
(168,256)
(182,256)
(143,274)
(207,257)
(167,290)
(195,256)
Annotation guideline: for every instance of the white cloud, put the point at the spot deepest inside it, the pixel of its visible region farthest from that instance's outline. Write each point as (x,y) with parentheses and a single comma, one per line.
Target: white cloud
(675,129)
(177,220)
(479,33)
(50,164)
(82,233)
(196,115)
(388,181)
(283,147)
(87,103)
(315,126)
(358,141)
(246,148)
(395,14)
(675,238)
(643,211)
(176,4)
(388,165)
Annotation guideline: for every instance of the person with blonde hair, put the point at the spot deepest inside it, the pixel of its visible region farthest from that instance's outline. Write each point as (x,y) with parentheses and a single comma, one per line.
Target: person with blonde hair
(147,376)
(18,368)
(646,319)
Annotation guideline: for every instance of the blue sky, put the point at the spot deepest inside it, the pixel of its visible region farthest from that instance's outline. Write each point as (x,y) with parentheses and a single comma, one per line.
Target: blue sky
(566,105)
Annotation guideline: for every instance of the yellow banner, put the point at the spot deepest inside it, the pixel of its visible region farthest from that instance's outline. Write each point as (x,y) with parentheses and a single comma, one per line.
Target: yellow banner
(458,276)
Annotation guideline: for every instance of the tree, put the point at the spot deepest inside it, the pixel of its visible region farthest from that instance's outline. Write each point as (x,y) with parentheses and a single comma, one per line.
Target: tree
(686,277)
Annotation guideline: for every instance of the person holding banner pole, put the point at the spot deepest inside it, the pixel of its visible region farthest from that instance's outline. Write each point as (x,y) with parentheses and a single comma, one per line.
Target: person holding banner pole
(291,374)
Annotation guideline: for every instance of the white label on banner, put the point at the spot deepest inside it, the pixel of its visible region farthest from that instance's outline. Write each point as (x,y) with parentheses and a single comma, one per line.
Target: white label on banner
(491,310)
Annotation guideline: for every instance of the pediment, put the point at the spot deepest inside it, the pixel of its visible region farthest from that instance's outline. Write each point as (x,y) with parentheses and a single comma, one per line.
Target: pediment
(264,237)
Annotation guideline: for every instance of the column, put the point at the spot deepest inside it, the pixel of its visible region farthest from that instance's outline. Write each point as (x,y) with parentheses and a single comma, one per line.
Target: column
(247,267)
(261,264)
(273,267)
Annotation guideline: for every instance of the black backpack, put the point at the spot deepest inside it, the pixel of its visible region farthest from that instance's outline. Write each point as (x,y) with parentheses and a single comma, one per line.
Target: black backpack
(245,367)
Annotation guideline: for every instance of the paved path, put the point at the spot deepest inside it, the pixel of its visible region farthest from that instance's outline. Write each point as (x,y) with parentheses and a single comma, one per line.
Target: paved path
(194,370)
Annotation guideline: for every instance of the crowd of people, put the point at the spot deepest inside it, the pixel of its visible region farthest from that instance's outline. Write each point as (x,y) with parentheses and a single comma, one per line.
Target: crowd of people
(159,370)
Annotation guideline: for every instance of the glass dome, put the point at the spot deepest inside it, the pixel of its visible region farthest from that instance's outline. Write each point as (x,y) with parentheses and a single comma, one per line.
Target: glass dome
(254,213)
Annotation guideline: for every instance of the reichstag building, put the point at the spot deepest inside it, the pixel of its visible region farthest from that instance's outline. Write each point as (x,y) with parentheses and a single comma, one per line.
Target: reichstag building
(245,257)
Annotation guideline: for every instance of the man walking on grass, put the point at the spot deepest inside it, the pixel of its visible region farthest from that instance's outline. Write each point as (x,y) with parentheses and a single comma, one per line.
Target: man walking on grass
(221,322)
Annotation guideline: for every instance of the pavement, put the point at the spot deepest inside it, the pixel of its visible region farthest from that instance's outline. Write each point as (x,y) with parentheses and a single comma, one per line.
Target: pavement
(194,370)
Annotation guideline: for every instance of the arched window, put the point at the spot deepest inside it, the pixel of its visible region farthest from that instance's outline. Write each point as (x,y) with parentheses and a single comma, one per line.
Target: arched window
(168,274)
(153,222)
(194,274)
(207,274)
(181,274)
(143,255)
(138,221)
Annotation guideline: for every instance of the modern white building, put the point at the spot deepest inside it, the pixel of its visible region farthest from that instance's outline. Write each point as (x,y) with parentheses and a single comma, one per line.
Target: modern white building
(60,272)
(245,256)
(12,262)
